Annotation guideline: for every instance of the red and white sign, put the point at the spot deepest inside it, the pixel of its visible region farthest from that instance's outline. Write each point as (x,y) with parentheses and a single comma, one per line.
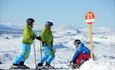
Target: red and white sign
(89,17)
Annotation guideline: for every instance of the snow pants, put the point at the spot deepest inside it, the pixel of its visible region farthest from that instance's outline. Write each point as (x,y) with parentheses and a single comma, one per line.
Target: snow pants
(81,57)
(25,51)
(48,57)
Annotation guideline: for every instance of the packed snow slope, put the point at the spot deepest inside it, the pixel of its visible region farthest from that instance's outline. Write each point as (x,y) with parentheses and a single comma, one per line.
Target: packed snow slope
(103,47)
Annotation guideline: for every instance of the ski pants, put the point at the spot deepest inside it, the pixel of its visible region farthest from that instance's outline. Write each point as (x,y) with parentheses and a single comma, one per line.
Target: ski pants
(25,51)
(48,57)
(81,57)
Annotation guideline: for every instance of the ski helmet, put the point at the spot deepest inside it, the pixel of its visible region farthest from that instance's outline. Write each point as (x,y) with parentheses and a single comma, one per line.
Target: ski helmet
(77,42)
(30,20)
(49,23)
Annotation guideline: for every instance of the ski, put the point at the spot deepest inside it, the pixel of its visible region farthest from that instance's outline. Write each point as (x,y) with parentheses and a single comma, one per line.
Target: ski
(18,67)
(43,69)
(51,69)
(72,67)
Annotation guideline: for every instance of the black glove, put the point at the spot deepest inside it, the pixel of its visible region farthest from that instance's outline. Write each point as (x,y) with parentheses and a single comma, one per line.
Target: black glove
(39,38)
(32,37)
(44,43)
(71,62)
(51,44)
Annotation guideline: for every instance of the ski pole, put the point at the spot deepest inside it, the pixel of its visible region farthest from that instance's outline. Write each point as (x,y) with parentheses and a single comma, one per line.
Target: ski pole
(41,49)
(54,64)
(34,54)
(54,59)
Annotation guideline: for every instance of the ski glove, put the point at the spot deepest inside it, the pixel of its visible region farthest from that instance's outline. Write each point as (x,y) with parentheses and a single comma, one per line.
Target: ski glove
(33,37)
(39,38)
(51,44)
(71,62)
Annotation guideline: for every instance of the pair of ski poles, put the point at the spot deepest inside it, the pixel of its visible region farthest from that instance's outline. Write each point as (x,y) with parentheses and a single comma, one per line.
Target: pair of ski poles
(40,53)
(35,52)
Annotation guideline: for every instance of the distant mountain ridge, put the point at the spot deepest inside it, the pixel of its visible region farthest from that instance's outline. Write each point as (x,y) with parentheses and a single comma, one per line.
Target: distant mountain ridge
(5,29)
(12,29)
(9,30)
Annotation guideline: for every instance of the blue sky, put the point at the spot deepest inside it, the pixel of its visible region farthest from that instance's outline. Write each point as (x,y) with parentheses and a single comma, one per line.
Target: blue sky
(61,12)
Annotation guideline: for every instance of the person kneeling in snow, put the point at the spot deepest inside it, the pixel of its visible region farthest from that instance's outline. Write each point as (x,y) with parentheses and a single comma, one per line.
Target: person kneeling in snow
(28,37)
(47,45)
(82,54)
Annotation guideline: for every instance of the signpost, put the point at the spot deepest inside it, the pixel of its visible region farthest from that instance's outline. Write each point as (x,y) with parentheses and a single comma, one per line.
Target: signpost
(89,17)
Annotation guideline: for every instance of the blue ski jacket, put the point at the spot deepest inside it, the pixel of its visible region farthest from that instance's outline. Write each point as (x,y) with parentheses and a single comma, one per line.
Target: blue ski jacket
(81,49)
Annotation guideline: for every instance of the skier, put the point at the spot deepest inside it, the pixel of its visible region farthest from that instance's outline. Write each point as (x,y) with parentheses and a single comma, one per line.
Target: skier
(28,37)
(47,44)
(82,54)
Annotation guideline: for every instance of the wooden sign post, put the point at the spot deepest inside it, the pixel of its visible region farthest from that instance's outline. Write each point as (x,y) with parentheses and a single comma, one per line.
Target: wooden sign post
(89,17)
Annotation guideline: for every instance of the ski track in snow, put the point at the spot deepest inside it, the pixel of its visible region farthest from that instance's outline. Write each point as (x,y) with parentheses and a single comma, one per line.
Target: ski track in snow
(103,48)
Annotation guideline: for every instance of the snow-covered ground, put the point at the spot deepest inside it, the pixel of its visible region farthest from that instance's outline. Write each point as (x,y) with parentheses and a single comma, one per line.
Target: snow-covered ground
(103,48)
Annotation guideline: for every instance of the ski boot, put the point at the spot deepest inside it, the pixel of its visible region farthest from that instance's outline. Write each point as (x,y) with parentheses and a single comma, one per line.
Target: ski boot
(39,66)
(17,66)
(48,66)
(75,66)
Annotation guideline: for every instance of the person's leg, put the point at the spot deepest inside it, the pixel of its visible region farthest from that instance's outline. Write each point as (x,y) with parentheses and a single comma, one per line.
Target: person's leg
(82,57)
(51,55)
(85,58)
(45,56)
(50,59)
(79,58)
(24,54)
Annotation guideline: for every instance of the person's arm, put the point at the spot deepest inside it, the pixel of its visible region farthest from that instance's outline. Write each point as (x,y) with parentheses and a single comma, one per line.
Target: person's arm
(33,36)
(52,41)
(42,36)
(77,53)
(28,33)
